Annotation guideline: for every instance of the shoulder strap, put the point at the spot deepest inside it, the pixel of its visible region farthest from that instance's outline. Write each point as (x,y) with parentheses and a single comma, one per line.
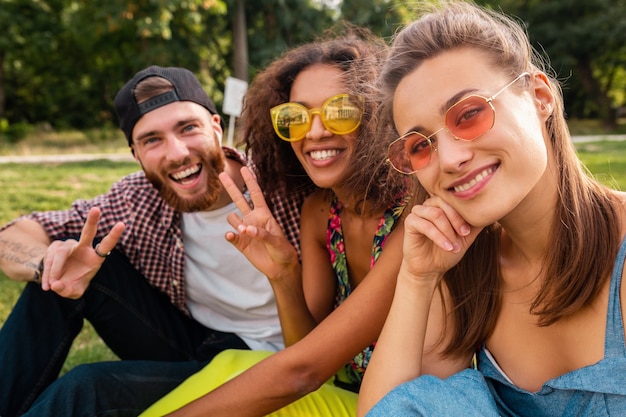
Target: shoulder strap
(614,339)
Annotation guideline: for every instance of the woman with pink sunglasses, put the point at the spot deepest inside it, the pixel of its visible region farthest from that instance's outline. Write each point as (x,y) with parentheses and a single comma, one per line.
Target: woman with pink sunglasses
(513,257)
(308,122)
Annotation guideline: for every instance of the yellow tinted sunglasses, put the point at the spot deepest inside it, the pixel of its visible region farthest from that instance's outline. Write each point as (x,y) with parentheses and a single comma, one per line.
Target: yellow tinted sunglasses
(340,114)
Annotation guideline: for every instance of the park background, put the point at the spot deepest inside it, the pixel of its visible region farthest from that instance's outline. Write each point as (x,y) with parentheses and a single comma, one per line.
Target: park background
(62,61)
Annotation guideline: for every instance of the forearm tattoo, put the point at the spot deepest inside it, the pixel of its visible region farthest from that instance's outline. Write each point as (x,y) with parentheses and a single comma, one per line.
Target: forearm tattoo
(20,253)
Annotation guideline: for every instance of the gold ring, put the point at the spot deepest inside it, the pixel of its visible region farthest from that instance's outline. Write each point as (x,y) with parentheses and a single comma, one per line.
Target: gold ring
(100,254)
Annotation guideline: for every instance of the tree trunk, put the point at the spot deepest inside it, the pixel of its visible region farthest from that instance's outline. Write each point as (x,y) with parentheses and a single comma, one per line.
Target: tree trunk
(2,95)
(593,89)
(240,42)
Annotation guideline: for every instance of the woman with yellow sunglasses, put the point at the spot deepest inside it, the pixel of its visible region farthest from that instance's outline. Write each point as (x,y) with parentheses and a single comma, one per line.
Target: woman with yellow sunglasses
(308,122)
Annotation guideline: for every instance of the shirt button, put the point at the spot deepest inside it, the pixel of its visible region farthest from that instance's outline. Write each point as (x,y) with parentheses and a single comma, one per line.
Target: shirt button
(179,243)
(175,282)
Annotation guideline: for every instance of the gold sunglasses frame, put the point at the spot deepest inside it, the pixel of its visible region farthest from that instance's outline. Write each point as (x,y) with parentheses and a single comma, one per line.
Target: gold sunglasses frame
(358,100)
(428,139)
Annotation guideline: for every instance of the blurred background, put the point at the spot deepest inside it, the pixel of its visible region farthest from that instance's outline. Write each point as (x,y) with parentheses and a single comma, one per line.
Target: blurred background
(62,61)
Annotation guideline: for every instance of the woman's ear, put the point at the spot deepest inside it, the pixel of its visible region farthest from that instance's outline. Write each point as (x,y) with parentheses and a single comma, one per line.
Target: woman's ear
(542,94)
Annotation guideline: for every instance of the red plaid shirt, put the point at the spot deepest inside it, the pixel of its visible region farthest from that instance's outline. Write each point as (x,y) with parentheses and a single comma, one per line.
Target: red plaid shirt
(153,239)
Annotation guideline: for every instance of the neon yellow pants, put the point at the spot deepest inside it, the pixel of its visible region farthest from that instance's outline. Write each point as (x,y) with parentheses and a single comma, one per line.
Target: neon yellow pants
(327,401)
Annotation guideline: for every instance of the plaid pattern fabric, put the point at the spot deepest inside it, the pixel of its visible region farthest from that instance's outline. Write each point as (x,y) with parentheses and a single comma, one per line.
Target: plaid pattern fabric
(153,240)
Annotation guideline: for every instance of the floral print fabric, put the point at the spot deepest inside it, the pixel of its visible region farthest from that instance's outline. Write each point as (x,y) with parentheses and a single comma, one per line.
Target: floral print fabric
(336,249)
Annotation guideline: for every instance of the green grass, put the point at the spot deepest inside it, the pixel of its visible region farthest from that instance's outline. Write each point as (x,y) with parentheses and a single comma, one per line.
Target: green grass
(594,127)
(606,160)
(28,187)
(43,142)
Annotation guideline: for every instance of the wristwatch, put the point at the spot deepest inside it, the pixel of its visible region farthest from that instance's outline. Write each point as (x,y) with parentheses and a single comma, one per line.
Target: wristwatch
(38,272)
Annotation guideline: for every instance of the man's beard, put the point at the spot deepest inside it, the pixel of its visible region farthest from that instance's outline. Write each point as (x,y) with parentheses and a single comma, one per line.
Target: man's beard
(211,168)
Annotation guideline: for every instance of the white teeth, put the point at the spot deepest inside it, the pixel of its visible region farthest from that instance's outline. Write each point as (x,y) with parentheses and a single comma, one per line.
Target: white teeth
(185,173)
(325,154)
(473,181)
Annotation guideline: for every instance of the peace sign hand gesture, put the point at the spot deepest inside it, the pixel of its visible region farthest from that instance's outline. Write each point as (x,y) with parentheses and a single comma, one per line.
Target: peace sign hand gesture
(258,236)
(70,265)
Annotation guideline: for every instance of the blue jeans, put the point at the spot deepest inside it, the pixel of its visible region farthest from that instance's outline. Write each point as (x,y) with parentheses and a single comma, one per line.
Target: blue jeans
(159,347)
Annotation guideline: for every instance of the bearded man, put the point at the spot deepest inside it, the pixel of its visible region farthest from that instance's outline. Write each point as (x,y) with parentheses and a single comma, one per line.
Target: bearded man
(146,264)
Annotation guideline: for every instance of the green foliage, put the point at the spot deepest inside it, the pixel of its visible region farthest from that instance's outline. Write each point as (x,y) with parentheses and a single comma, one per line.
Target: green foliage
(62,61)
(14,132)
(383,17)
(67,59)
(586,43)
(276,25)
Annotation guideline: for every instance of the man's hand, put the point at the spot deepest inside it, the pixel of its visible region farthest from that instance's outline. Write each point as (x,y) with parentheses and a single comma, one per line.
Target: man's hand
(70,265)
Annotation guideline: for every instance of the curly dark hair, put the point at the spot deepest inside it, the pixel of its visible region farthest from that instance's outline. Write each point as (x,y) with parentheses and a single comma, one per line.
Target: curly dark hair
(360,55)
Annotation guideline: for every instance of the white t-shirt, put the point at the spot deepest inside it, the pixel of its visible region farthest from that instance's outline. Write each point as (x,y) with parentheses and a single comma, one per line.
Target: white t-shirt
(224,291)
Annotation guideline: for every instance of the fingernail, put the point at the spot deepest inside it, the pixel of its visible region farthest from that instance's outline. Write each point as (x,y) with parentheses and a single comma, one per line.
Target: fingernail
(456,248)
(465,230)
(448,246)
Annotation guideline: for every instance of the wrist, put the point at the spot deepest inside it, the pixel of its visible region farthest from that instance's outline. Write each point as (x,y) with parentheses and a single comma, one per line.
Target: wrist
(38,272)
(415,278)
(287,273)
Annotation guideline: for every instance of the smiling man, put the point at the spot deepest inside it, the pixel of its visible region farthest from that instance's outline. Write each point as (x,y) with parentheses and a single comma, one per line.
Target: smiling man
(146,264)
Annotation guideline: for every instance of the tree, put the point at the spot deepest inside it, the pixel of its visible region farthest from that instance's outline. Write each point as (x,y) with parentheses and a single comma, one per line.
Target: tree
(120,38)
(62,61)
(383,17)
(68,58)
(275,25)
(240,41)
(586,41)
(28,29)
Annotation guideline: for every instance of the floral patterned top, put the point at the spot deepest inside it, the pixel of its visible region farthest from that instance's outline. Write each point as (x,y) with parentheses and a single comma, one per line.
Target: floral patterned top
(336,249)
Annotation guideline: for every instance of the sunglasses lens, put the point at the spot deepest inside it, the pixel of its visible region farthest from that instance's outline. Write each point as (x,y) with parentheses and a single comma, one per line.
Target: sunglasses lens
(410,153)
(470,118)
(291,121)
(341,115)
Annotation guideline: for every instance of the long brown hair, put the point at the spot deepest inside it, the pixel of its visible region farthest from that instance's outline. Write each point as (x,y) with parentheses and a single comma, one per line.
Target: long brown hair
(586,230)
(360,56)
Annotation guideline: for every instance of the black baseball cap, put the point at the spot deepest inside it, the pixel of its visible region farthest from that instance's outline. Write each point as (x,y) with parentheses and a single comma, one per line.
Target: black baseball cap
(186,88)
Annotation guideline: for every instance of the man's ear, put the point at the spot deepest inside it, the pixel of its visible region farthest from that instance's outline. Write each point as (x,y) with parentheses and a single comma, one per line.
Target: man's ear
(132,151)
(217,126)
